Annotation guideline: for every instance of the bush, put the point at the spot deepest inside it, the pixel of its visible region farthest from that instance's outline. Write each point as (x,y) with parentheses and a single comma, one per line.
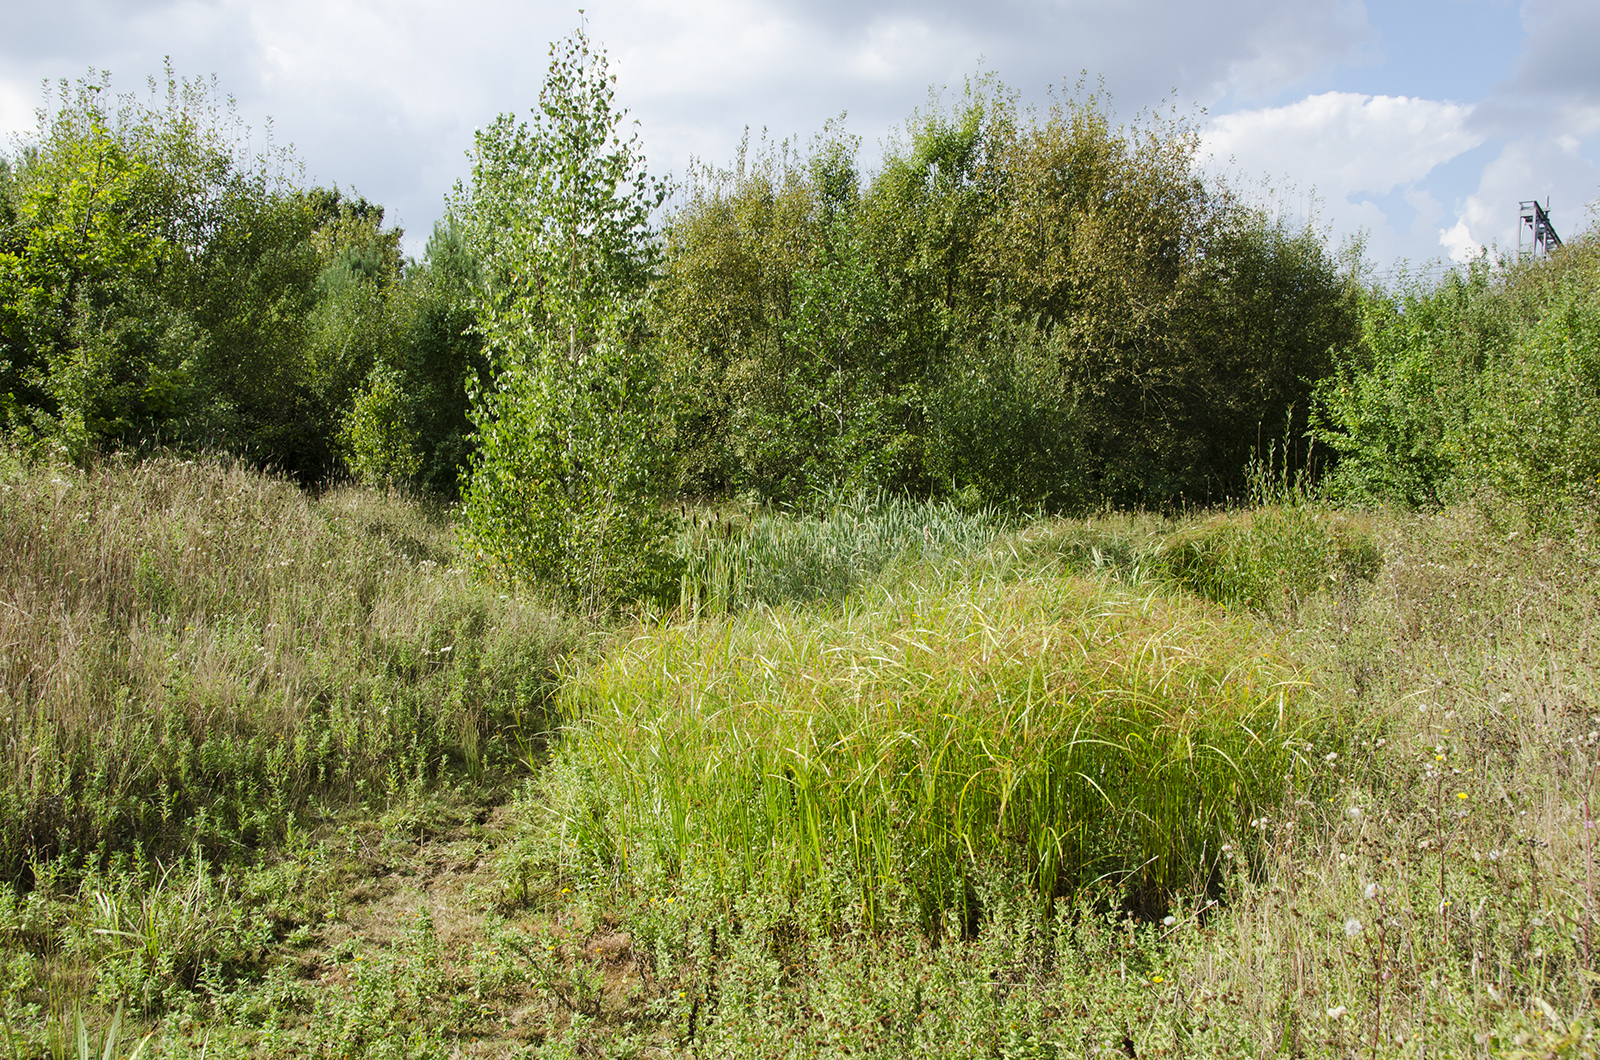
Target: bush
(1271,558)
(1023,308)
(1484,383)
(732,560)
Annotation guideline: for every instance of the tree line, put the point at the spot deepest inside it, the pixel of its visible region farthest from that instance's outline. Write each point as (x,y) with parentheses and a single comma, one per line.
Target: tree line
(163,284)
(1033,308)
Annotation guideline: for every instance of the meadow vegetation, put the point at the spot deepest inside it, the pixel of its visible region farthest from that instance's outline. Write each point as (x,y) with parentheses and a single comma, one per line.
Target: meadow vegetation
(972,786)
(833,612)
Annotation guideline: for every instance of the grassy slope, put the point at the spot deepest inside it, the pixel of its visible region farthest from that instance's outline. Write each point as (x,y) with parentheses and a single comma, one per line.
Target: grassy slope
(1426,888)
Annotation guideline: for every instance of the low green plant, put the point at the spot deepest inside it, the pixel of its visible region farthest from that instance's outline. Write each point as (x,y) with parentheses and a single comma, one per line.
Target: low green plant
(152,939)
(1271,558)
(84,1048)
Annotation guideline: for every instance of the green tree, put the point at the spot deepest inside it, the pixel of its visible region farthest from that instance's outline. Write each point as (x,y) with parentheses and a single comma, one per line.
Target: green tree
(566,483)
(92,340)
(733,251)
(409,422)
(162,283)
(1487,381)
(355,324)
(1021,307)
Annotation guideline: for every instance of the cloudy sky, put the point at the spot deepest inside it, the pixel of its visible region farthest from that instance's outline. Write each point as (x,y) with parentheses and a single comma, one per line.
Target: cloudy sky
(1420,122)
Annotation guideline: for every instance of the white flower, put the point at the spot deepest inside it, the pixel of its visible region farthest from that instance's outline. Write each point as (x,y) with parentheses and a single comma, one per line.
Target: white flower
(1372,891)
(1352,927)
(1169,921)
(1355,813)
(1331,757)
(1337,1012)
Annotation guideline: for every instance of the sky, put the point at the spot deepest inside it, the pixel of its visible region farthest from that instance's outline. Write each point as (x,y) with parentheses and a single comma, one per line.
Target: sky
(1417,124)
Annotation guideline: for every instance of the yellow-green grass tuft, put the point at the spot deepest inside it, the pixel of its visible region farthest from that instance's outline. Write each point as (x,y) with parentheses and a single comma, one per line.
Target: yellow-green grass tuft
(931,727)
(1272,558)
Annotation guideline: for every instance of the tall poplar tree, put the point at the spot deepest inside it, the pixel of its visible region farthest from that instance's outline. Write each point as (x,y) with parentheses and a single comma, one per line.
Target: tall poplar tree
(566,484)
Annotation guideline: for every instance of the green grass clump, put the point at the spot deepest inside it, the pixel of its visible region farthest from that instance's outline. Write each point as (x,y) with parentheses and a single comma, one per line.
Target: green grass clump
(192,651)
(931,727)
(1271,558)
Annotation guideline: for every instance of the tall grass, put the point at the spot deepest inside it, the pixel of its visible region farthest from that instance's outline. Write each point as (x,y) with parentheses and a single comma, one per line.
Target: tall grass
(732,558)
(1273,558)
(826,828)
(193,651)
(952,720)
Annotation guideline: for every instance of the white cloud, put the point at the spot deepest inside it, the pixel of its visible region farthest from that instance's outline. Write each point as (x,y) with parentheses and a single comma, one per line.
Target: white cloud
(1344,142)
(383,95)
(1559,54)
(1458,242)
(1555,84)
(894,50)
(16,109)
(1343,150)
(1546,168)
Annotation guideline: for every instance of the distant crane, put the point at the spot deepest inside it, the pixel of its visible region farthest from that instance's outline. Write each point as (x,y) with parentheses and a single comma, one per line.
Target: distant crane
(1536,236)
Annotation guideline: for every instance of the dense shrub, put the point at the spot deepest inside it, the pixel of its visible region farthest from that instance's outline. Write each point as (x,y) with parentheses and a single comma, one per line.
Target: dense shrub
(160,283)
(408,423)
(1037,309)
(1486,381)
(880,756)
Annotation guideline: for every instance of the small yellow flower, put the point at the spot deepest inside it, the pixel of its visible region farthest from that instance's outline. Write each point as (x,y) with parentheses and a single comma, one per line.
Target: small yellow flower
(1461,795)
(1158,979)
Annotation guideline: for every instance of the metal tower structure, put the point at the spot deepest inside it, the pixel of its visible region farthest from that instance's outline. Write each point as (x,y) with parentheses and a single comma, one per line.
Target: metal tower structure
(1536,236)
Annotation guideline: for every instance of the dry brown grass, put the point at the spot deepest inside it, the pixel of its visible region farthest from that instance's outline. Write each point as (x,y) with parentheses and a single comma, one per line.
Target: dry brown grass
(190,649)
